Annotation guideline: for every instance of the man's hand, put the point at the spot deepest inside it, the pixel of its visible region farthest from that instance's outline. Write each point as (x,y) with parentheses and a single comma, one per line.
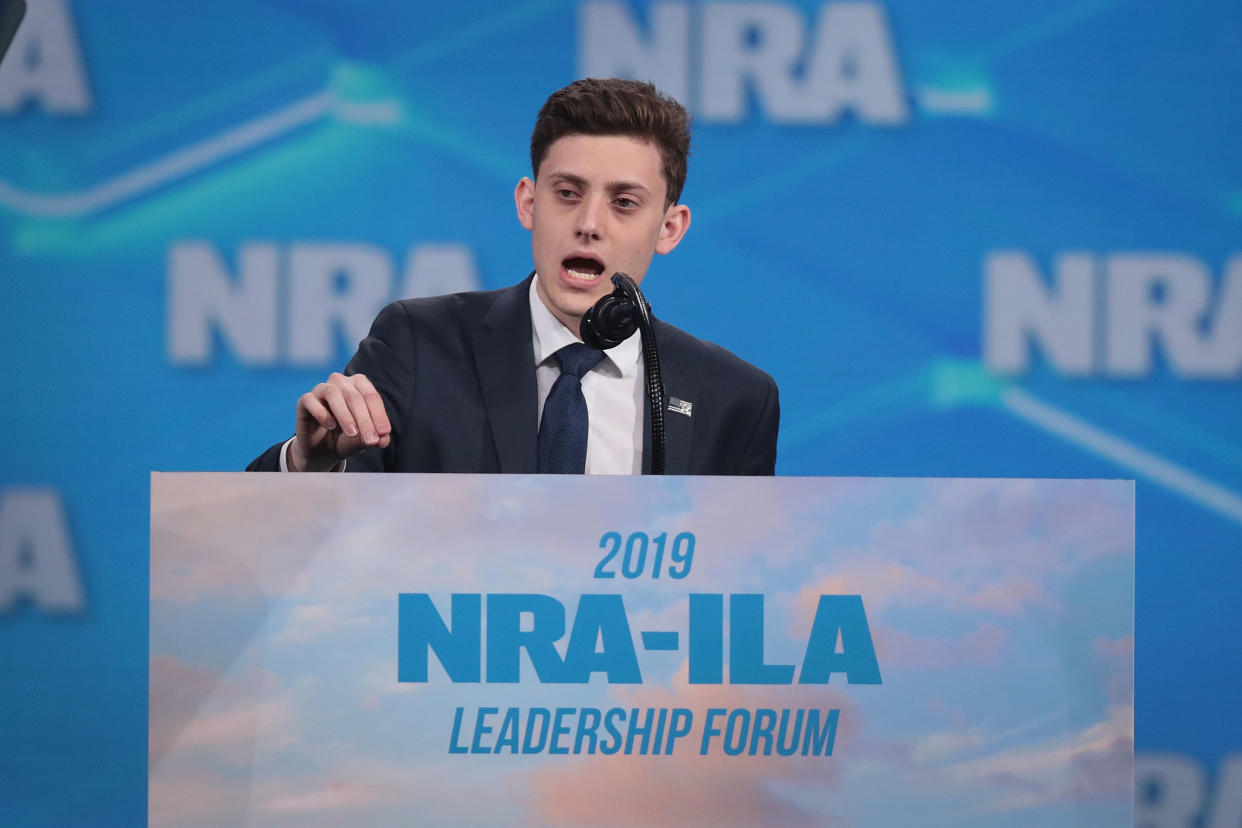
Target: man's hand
(337,419)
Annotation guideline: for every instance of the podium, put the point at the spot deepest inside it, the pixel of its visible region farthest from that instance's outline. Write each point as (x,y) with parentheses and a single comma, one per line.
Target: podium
(545,651)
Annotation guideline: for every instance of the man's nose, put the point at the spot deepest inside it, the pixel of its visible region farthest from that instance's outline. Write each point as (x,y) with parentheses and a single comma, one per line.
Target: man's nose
(589,219)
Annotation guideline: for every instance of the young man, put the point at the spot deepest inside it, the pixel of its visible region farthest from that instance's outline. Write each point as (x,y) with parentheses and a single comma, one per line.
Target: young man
(460,383)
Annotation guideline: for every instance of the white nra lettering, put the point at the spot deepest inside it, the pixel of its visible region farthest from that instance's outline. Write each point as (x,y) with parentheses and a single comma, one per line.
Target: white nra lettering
(44,64)
(37,561)
(1019,306)
(204,298)
(611,44)
(846,63)
(294,304)
(1109,315)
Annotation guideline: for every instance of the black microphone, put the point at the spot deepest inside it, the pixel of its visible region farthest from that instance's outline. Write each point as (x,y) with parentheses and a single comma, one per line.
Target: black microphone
(612,319)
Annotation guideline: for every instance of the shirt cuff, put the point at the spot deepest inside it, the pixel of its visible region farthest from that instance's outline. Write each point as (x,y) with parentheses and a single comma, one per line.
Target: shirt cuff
(284,465)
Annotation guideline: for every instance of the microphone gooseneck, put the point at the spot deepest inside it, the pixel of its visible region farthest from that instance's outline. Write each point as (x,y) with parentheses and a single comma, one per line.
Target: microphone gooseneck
(611,321)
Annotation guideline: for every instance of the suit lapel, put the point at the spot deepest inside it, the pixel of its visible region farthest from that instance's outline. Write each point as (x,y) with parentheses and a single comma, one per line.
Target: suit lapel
(506,366)
(678,428)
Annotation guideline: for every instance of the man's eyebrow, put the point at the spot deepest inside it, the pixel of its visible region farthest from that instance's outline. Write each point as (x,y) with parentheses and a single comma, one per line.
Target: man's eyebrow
(576,180)
(622,186)
(612,186)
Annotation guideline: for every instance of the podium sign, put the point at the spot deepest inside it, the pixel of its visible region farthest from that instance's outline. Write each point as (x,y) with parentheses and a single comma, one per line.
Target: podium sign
(546,651)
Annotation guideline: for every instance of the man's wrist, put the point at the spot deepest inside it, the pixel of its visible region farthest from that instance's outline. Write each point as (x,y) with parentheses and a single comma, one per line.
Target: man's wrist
(290,461)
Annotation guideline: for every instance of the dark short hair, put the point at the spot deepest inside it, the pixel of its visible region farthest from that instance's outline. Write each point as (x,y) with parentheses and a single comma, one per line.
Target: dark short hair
(613,106)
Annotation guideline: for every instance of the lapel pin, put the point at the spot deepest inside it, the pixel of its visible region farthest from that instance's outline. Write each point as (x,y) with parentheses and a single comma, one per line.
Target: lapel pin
(680,406)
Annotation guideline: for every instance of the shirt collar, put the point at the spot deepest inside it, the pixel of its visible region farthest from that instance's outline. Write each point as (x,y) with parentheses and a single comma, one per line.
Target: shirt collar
(550,336)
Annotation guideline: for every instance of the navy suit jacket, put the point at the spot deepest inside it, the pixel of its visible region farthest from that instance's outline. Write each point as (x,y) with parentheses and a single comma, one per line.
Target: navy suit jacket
(457,374)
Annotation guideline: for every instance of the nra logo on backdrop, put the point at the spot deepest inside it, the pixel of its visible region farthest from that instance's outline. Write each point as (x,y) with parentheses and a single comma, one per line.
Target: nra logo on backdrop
(299,303)
(714,57)
(1112,315)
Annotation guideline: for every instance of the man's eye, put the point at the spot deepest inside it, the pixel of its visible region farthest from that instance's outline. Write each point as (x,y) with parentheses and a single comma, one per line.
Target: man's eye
(566,193)
(626,203)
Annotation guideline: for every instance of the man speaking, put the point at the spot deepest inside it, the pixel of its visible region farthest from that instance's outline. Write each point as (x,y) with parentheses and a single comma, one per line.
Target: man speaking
(500,381)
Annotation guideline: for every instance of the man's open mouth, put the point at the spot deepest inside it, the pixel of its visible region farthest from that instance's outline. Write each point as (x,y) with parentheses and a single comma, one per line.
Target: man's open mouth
(580,267)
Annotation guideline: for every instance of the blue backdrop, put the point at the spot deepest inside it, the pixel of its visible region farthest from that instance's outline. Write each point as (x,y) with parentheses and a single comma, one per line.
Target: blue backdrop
(966,239)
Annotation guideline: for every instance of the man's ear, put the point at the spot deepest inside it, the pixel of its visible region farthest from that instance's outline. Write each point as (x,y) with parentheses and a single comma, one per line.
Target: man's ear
(524,199)
(676,223)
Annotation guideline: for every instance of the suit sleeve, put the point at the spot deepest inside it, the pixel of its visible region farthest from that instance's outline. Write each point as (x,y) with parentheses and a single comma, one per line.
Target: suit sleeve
(268,461)
(387,358)
(760,456)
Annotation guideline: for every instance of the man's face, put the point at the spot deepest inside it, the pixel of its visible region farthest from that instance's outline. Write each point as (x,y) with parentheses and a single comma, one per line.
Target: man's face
(596,208)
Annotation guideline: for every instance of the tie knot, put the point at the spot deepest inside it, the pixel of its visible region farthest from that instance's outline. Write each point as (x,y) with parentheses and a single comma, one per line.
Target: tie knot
(577,359)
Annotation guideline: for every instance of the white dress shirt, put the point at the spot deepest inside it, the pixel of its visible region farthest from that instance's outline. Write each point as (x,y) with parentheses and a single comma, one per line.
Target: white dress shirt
(614,392)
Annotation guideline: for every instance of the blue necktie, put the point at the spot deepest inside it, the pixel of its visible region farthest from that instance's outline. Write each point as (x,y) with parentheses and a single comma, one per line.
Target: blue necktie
(563,429)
